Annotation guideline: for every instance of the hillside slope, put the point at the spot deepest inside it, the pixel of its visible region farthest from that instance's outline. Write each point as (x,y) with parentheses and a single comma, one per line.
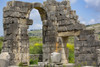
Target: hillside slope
(35,33)
(96,27)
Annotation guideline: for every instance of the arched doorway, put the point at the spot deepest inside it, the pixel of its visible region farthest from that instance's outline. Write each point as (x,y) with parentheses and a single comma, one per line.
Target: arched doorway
(16,24)
(35,38)
(43,17)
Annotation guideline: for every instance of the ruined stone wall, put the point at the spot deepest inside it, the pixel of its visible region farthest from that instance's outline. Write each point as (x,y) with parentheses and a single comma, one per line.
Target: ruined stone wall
(16,40)
(59,21)
(16,23)
(67,23)
(86,45)
(56,17)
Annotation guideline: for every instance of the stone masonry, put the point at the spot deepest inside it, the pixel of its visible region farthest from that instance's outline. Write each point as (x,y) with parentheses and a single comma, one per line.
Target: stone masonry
(86,45)
(59,22)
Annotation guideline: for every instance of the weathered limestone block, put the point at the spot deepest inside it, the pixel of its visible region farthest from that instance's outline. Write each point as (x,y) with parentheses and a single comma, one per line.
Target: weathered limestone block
(59,8)
(29,22)
(45,23)
(23,30)
(17,9)
(86,35)
(9,37)
(36,5)
(64,2)
(23,36)
(87,57)
(10,20)
(50,33)
(46,57)
(41,64)
(51,2)
(6,26)
(50,39)
(64,23)
(88,32)
(4,59)
(88,66)
(70,27)
(88,50)
(98,56)
(50,28)
(69,65)
(19,4)
(46,49)
(58,65)
(55,57)
(14,14)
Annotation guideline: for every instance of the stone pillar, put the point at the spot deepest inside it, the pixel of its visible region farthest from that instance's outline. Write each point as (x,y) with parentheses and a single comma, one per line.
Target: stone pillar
(50,31)
(16,41)
(98,57)
(64,50)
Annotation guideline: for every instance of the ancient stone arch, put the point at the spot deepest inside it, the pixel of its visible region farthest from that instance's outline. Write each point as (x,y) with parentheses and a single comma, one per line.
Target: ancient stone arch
(59,22)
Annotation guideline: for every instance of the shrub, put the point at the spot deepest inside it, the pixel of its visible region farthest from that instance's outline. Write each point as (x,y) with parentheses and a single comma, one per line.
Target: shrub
(0,47)
(71,57)
(20,64)
(36,48)
(32,62)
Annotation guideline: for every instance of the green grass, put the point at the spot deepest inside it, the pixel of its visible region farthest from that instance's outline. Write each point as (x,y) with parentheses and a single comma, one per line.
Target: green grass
(1,43)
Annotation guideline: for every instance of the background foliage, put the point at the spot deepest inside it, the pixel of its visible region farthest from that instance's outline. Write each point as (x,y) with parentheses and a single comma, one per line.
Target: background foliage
(36,48)
(71,57)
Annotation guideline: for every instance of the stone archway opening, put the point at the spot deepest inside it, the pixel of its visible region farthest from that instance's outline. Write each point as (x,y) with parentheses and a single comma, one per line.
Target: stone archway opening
(37,33)
(70,47)
(35,37)
(67,49)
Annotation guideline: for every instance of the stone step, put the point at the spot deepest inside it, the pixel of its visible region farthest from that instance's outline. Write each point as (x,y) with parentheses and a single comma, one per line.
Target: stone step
(88,66)
(69,65)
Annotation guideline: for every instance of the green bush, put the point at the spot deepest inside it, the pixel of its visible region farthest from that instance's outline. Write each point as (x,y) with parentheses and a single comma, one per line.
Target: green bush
(0,47)
(71,57)
(34,39)
(32,62)
(36,48)
(20,64)
(1,42)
